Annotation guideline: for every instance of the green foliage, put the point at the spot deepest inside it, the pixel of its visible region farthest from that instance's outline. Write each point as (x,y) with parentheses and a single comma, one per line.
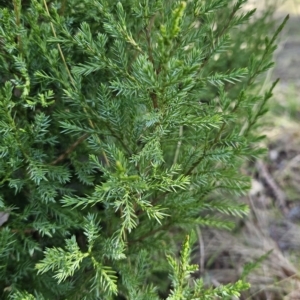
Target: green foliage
(123,126)
(181,289)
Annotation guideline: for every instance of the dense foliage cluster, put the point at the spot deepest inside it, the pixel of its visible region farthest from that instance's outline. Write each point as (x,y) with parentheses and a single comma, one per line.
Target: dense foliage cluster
(123,125)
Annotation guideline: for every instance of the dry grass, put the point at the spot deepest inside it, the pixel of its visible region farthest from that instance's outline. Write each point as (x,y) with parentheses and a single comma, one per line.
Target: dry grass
(222,255)
(267,227)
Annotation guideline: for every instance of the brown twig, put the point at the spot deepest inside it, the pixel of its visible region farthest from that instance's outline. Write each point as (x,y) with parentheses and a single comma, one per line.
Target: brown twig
(276,190)
(25,231)
(154,100)
(70,149)
(70,75)
(58,45)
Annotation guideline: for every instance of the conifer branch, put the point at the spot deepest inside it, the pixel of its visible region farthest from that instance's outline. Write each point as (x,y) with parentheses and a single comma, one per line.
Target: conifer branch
(58,45)
(151,233)
(17,137)
(134,80)
(149,44)
(69,73)
(119,138)
(17,8)
(70,149)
